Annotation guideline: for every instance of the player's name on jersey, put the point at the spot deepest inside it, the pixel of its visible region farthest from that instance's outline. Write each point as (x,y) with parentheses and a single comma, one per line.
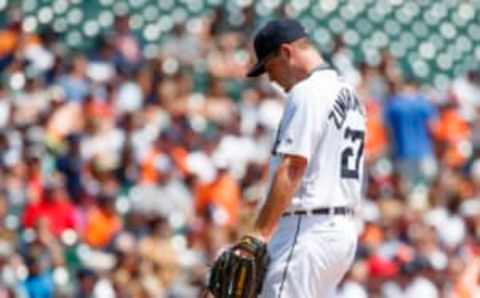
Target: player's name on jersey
(345,102)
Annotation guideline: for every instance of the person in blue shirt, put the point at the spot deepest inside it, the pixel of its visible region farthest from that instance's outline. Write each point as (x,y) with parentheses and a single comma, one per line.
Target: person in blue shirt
(75,84)
(409,116)
(39,283)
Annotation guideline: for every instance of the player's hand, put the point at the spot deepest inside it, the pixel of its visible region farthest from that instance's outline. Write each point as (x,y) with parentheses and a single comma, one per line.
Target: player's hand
(244,247)
(259,236)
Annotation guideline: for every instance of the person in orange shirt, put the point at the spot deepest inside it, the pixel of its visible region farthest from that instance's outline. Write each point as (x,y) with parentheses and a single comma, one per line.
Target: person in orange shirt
(162,150)
(155,160)
(103,223)
(221,197)
(451,130)
(467,283)
(9,42)
(376,137)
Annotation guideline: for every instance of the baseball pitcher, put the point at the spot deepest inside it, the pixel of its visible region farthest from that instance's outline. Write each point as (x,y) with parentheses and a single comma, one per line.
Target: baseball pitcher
(316,172)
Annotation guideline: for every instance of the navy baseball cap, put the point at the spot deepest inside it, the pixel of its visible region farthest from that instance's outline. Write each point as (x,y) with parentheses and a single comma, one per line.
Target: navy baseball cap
(270,37)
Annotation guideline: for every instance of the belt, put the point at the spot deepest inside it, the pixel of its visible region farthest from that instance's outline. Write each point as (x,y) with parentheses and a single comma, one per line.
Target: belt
(322,211)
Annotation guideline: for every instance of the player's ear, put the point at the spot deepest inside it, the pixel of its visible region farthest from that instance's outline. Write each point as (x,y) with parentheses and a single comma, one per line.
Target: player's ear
(285,51)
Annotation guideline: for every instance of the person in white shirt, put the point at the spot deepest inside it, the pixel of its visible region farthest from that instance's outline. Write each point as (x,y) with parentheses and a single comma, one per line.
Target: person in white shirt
(316,168)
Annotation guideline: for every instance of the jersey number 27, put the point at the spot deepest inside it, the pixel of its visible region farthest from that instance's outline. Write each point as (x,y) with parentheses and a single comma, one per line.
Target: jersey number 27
(354,151)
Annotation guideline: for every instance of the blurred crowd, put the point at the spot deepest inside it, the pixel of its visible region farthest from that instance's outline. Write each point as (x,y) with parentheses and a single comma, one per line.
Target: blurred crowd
(122,173)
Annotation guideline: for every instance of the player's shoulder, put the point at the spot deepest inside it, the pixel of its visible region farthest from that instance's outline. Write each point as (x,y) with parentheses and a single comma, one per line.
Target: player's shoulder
(321,85)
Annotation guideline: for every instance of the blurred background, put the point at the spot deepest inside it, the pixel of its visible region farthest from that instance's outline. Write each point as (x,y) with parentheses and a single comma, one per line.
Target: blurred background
(132,148)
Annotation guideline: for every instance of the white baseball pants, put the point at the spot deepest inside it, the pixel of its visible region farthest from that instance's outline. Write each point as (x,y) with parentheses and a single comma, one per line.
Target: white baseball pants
(310,254)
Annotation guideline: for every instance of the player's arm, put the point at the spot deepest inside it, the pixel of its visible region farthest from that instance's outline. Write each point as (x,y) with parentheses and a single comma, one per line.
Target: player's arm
(286,181)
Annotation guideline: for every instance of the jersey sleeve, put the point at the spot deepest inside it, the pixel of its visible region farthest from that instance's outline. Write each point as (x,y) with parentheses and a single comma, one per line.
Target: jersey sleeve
(301,127)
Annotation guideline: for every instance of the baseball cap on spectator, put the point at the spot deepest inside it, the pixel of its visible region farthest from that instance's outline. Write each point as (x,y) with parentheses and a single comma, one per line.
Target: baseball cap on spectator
(269,39)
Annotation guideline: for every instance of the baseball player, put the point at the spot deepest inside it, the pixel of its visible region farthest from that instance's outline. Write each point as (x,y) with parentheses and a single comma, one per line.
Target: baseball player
(316,168)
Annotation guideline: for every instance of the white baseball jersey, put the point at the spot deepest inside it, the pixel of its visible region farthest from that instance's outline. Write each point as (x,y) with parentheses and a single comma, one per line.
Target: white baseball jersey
(324,122)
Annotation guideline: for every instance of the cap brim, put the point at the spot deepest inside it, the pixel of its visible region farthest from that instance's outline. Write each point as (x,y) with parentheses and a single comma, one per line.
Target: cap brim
(257,70)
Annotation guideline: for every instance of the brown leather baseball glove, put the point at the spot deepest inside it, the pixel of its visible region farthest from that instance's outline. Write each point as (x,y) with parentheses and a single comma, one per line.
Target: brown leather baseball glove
(240,270)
